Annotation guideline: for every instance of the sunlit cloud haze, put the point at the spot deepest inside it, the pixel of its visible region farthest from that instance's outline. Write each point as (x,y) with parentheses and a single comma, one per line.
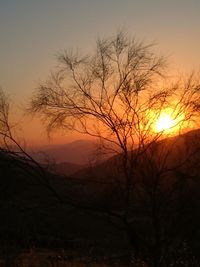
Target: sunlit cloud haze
(32,32)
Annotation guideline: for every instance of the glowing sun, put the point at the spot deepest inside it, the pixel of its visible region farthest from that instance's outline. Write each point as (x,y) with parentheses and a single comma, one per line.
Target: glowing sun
(164,122)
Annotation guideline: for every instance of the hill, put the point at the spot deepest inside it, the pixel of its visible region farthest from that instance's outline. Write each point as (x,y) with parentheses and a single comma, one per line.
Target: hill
(65,168)
(31,213)
(164,201)
(172,152)
(80,152)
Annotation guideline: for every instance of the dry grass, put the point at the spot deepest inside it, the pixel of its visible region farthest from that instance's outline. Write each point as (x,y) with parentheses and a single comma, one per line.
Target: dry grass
(44,258)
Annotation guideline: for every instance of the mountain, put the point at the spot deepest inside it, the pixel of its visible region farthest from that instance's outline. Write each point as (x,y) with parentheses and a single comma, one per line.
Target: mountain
(65,168)
(31,213)
(79,152)
(165,186)
(181,151)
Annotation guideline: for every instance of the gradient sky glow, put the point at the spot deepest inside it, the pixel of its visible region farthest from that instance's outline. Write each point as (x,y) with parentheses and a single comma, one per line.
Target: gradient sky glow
(33,31)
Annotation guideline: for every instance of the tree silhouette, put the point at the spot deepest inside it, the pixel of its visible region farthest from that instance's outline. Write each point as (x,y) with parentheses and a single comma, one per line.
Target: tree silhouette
(14,149)
(116,95)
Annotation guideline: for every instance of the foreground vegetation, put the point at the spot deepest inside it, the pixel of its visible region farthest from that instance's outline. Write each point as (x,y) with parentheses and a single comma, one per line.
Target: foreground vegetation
(62,258)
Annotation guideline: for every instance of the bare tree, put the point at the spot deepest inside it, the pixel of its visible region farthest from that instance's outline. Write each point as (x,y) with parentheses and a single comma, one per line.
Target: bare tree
(14,149)
(116,95)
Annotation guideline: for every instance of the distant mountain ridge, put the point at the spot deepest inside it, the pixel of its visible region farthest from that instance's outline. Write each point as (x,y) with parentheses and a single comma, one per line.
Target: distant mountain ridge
(66,168)
(78,152)
(77,158)
(175,149)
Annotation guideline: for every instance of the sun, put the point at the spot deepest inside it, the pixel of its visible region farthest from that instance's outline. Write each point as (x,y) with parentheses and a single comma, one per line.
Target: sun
(169,121)
(164,122)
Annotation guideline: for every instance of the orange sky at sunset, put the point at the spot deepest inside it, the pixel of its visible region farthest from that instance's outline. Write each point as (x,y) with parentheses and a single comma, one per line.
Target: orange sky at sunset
(33,32)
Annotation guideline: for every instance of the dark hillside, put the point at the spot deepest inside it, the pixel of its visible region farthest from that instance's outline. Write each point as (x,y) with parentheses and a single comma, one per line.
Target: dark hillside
(165,190)
(65,168)
(31,214)
(165,201)
(179,151)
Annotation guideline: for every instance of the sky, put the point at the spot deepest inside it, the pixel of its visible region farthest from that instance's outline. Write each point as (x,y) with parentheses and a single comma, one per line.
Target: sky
(34,31)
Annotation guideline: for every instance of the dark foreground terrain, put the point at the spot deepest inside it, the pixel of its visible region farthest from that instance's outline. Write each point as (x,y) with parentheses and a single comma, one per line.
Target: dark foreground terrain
(54,220)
